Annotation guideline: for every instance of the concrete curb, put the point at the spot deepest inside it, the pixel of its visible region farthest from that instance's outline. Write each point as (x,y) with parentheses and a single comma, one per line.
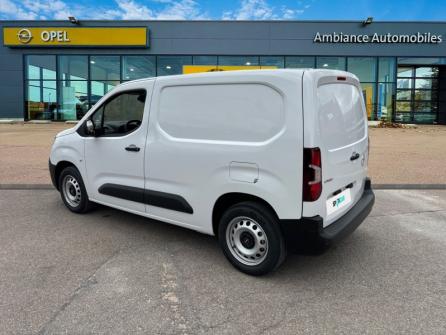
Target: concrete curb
(26,187)
(375,187)
(409,186)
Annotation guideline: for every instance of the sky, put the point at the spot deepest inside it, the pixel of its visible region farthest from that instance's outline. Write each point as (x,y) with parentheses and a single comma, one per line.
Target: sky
(384,10)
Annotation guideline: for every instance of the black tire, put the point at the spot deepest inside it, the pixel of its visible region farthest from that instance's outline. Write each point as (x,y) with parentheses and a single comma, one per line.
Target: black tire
(259,215)
(81,204)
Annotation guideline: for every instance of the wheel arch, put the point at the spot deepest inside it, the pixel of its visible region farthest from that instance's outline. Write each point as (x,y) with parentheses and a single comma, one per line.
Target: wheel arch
(229,199)
(60,166)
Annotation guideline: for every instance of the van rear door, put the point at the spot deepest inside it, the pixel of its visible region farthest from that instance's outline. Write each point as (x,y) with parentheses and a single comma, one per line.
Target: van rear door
(341,123)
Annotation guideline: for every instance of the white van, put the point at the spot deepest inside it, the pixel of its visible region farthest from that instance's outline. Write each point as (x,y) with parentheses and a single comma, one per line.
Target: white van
(253,157)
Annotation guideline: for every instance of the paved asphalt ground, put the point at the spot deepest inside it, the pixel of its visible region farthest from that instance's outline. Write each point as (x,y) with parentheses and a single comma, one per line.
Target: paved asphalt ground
(115,273)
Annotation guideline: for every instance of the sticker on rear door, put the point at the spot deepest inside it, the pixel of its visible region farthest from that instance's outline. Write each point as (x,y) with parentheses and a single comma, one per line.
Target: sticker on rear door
(338,201)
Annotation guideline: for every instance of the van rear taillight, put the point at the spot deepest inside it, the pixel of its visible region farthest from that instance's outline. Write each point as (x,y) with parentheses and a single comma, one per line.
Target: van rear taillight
(312,177)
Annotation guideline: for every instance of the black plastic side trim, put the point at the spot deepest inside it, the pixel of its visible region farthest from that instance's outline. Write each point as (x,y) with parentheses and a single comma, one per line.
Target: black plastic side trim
(123,192)
(52,169)
(167,200)
(149,197)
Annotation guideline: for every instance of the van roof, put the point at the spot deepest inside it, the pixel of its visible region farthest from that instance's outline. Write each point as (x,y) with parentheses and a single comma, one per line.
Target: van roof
(297,73)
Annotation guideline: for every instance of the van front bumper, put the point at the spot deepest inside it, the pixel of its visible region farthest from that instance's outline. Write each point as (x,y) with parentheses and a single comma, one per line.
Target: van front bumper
(311,229)
(52,169)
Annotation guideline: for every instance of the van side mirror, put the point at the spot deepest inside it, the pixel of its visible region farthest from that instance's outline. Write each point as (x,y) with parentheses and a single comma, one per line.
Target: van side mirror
(89,128)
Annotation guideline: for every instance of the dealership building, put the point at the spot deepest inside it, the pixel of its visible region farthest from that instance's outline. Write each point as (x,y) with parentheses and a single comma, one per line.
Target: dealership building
(56,70)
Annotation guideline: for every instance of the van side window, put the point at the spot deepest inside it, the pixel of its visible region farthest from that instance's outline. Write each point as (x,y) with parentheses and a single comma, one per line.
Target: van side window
(121,114)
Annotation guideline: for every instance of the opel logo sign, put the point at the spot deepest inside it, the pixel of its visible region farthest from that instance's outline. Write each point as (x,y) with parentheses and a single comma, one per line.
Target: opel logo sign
(24,36)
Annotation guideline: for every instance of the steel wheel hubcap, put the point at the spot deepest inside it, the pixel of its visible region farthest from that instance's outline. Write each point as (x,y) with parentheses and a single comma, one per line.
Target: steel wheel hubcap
(71,191)
(246,240)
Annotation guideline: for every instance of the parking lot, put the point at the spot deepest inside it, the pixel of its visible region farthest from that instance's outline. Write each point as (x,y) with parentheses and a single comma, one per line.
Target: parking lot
(397,155)
(114,272)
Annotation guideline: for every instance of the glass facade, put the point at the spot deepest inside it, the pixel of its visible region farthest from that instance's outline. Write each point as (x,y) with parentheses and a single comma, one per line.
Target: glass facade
(417,94)
(205,60)
(72,87)
(365,69)
(41,97)
(293,62)
(332,63)
(137,67)
(238,60)
(386,88)
(64,87)
(278,62)
(170,65)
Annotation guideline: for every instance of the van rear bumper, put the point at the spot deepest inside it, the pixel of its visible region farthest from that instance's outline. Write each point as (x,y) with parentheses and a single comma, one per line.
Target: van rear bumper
(312,227)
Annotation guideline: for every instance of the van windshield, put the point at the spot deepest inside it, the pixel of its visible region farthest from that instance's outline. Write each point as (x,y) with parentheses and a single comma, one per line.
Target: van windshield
(341,114)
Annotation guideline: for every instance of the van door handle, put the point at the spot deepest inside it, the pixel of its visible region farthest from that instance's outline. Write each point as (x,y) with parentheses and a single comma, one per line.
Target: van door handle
(354,156)
(132,147)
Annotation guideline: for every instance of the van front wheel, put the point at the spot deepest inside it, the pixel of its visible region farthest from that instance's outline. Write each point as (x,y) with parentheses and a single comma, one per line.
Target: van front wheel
(72,190)
(251,239)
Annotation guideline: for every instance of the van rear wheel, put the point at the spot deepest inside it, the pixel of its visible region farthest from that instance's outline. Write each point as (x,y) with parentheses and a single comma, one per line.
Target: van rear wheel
(251,239)
(72,190)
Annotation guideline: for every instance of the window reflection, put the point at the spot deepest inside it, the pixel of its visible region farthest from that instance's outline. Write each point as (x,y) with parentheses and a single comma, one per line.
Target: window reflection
(422,60)
(73,100)
(41,67)
(33,72)
(363,67)
(299,62)
(424,107)
(72,87)
(99,88)
(238,60)
(405,72)
(333,63)
(41,97)
(105,67)
(425,95)
(386,71)
(278,62)
(420,97)
(205,60)
(426,72)
(79,81)
(427,84)
(41,101)
(368,92)
(403,106)
(136,67)
(170,65)
(427,118)
(385,101)
(73,68)
(404,83)
(402,117)
(404,94)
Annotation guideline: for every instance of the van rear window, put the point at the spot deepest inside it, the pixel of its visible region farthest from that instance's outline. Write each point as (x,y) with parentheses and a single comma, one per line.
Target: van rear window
(341,114)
